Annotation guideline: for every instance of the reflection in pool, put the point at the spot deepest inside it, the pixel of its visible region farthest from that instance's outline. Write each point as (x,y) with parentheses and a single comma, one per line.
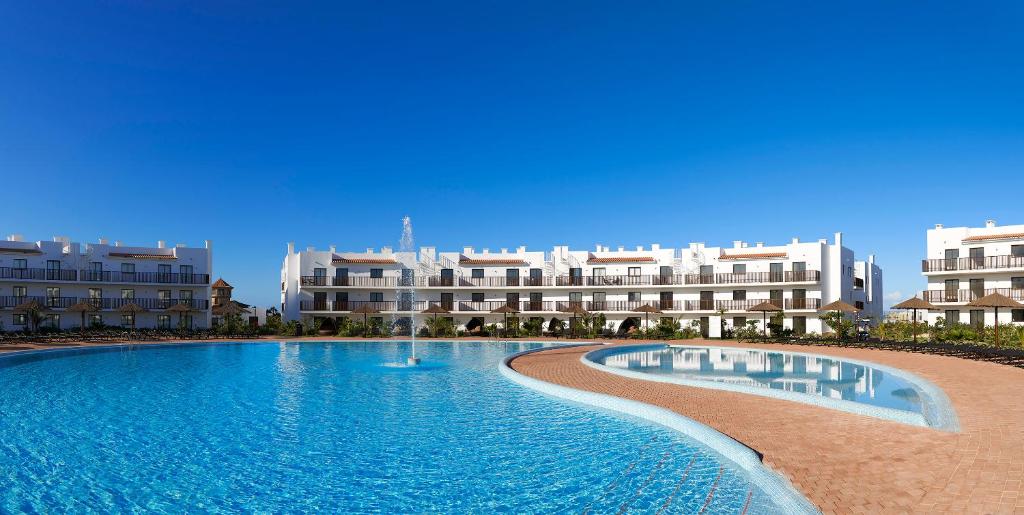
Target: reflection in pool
(842,384)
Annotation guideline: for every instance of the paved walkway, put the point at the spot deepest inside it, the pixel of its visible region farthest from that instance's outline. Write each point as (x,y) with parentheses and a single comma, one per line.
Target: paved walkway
(846,463)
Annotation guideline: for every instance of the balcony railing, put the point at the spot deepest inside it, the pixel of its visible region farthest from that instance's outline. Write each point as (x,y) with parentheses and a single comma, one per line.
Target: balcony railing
(755,277)
(618,280)
(359,281)
(962,296)
(536,305)
(38,274)
(352,305)
(803,304)
(103,303)
(972,263)
(143,277)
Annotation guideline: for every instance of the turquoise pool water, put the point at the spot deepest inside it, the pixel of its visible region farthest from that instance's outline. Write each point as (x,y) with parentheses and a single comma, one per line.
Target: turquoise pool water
(850,385)
(332,426)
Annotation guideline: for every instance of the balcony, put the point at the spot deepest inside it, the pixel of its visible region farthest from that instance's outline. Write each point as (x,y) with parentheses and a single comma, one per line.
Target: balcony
(618,280)
(103,304)
(143,277)
(972,263)
(964,296)
(802,304)
(755,277)
(357,281)
(352,305)
(38,274)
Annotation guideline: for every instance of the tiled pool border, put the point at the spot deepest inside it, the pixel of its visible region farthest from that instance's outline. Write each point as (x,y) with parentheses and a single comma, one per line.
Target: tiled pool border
(777,487)
(938,410)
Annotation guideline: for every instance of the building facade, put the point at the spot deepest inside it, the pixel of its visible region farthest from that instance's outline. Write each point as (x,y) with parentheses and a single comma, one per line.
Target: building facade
(966,263)
(708,285)
(60,273)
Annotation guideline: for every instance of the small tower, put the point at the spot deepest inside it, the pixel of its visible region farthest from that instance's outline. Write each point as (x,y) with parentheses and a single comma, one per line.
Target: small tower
(221,293)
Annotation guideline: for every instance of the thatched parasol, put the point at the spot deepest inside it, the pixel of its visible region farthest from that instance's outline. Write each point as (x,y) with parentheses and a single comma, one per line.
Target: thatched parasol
(435,309)
(764,308)
(574,310)
(181,309)
(505,310)
(83,307)
(647,309)
(996,301)
(229,309)
(840,307)
(365,310)
(30,306)
(132,309)
(915,304)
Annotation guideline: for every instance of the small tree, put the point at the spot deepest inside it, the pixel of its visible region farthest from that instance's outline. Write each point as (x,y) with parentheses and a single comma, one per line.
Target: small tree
(838,323)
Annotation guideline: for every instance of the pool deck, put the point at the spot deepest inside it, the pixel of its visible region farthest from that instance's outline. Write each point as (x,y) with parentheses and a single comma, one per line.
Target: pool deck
(843,463)
(847,463)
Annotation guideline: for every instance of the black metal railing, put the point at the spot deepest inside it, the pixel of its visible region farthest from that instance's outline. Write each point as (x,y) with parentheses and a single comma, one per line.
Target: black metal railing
(143,277)
(38,274)
(755,277)
(972,263)
(968,295)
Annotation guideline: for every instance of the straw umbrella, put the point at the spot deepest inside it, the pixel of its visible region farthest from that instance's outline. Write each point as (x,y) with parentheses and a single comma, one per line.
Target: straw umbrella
(181,309)
(228,309)
(574,311)
(840,307)
(995,300)
(83,307)
(30,307)
(365,310)
(915,304)
(647,309)
(435,309)
(132,309)
(505,310)
(764,308)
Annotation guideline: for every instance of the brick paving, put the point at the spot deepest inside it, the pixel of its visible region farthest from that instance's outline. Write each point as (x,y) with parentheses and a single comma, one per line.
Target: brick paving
(846,463)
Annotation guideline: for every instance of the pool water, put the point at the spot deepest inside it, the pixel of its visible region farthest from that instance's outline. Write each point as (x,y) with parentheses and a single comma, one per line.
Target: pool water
(844,384)
(332,426)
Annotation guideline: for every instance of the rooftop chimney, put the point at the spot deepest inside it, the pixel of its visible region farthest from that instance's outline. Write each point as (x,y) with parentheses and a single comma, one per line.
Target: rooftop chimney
(180,245)
(839,239)
(385,250)
(208,243)
(938,226)
(15,237)
(504,250)
(310,249)
(737,244)
(117,243)
(333,249)
(990,224)
(521,249)
(104,241)
(369,250)
(639,248)
(486,250)
(291,247)
(621,248)
(161,244)
(759,244)
(796,240)
(467,250)
(597,248)
(655,246)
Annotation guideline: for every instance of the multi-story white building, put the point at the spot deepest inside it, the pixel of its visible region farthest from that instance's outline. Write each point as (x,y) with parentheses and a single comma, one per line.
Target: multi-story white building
(60,273)
(965,263)
(696,283)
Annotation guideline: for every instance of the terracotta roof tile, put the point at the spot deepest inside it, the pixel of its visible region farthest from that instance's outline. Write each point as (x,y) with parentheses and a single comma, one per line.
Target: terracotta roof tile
(754,255)
(363,260)
(221,283)
(463,260)
(138,255)
(1004,236)
(620,259)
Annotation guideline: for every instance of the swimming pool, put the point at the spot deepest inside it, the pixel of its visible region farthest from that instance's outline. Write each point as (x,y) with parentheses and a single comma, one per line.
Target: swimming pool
(843,384)
(269,426)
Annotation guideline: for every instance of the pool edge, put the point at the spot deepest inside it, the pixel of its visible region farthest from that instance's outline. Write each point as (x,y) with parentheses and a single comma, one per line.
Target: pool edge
(771,482)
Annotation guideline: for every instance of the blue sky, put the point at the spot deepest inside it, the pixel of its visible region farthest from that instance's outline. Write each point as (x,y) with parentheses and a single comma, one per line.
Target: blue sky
(497,124)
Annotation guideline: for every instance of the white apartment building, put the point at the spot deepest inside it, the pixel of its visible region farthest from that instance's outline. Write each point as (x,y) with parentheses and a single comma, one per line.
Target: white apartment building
(60,273)
(965,263)
(696,283)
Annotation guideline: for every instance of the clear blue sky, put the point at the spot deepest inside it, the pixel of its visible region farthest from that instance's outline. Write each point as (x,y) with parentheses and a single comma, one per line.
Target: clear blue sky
(504,123)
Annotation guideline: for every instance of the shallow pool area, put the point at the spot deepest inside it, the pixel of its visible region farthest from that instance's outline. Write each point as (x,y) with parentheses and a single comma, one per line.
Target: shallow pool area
(338,426)
(844,384)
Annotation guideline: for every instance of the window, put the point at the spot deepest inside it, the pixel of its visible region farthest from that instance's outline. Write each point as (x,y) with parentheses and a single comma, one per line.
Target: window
(1017,315)
(859,304)
(165,298)
(52,269)
(20,319)
(95,293)
(185,295)
(319,272)
(599,303)
(186,273)
(19,291)
(127,319)
(739,295)
(1017,250)
(376,296)
(476,297)
(598,272)
(952,289)
(163,273)
(575,298)
(51,320)
(163,321)
(20,264)
(512,300)
(738,268)
(1017,283)
(952,256)
(707,272)
(800,325)
(128,293)
(95,320)
(448,301)
(739,322)
(775,297)
(952,316)
(633,296)
(634,271)
(978,317)
(376,273)
(52,297)
(127,268)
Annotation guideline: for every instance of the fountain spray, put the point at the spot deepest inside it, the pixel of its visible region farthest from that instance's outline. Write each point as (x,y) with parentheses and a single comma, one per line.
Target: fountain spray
(407,286)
